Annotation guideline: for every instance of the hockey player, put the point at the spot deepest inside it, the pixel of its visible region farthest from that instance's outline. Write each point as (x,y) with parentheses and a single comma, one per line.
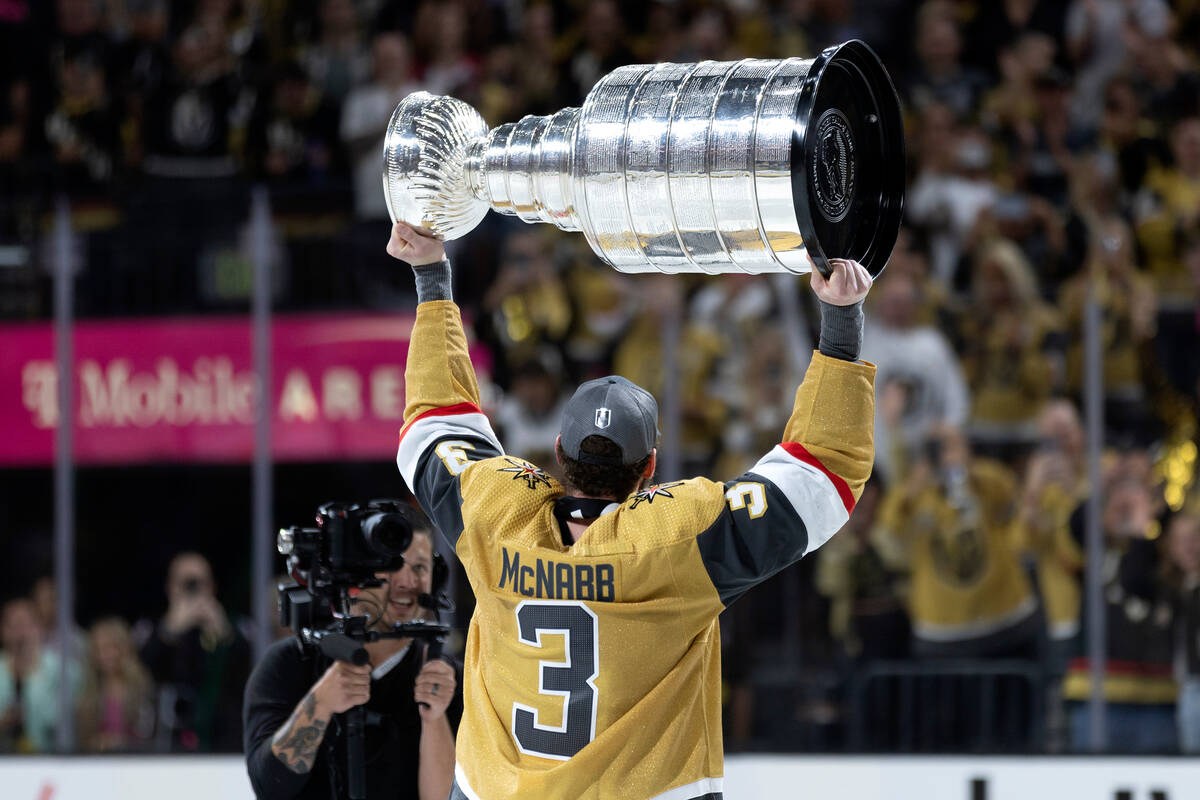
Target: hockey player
(593,657)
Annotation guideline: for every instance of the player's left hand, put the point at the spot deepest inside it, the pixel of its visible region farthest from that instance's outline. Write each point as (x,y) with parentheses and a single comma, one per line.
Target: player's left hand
(434,689)
(846,285)
(414,245)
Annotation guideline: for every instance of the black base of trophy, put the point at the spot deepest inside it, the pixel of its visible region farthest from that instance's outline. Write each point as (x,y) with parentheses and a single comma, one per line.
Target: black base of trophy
(848,167)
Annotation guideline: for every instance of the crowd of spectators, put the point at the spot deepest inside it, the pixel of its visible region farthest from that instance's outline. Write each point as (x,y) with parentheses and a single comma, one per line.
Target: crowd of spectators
(1054,161)
(168,685)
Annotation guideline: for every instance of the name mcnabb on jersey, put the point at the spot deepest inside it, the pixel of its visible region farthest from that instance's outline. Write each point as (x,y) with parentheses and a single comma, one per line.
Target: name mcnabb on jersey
(555,580)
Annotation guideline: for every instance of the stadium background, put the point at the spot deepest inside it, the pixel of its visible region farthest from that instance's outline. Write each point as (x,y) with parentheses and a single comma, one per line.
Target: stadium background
(158,148)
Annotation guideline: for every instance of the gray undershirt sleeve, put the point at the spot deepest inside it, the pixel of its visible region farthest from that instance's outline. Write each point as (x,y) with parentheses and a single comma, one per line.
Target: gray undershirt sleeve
(433,281)
(841,330)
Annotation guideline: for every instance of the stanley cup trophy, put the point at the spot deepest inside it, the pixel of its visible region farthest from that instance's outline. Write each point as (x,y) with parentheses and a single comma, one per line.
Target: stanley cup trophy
(749,166)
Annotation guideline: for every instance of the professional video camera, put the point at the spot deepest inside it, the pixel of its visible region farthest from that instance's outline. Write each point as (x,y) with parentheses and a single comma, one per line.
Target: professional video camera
(328,565)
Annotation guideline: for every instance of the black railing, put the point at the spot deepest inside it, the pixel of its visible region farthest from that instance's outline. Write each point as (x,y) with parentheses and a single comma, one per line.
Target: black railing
(947,706)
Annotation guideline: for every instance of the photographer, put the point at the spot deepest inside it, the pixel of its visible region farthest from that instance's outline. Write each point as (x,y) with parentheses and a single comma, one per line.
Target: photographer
(199,659)
(293,695)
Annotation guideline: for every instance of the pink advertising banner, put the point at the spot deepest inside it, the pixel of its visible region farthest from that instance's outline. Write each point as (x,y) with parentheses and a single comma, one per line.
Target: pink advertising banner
(183,389)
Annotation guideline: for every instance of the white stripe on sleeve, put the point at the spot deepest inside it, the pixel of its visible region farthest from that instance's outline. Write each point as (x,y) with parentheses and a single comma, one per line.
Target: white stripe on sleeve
(812,494)
(427,430)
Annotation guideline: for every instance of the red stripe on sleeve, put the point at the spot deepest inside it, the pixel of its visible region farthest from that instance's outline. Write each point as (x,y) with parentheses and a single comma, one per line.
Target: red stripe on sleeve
(797,451)
(447,411)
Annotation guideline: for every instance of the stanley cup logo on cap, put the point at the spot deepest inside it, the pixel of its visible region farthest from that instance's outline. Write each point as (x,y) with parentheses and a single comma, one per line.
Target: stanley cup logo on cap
(748,166)
(603,418)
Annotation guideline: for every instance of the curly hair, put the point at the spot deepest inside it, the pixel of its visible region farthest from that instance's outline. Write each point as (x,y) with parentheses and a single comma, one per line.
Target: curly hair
(595,480)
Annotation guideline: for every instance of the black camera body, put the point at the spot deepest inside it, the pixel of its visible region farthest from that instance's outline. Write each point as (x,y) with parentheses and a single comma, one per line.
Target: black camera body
(352,538)
(349,545)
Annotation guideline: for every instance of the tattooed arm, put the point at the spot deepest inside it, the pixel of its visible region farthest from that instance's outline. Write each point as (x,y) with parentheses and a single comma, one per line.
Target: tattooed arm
(296,743)
(342,687)
(283,737)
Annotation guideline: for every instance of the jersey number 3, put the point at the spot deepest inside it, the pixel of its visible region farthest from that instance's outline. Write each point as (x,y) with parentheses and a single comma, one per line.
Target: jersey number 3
(572,680)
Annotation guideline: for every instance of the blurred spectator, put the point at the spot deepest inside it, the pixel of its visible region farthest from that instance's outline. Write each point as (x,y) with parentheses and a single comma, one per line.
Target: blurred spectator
(951,186)
(910,257)
(1011,349)
(338,60)
(522,77)
(365,117)
(22,38)
(192,132)
(45,602)
(449,68)
(30,677)
(757,389)
(1169,84)
(192,120)
(1097,32)
(998,25)
(601,36)
(1129,139)
(1010,109)
(1186,362)
(1096,203)
(919,383)
(142,64)
(82,133)
(1183,542)
(640,357)
(530,415)
(951,516)
(292,139)
(1166,210)
(527,303)
(235,23)
(1127,307)
(949,522)
(14,104)
(79,23)
(1054,487)
(706,37)
(858,574)
(741,312)
(540,48)
(940,76)
(603,304)
(1045,159)
(661,35)
(1138,686)
(200,660)
(115,709)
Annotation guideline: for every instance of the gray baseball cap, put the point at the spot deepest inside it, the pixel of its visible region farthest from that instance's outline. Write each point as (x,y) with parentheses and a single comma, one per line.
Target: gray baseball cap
(617,409)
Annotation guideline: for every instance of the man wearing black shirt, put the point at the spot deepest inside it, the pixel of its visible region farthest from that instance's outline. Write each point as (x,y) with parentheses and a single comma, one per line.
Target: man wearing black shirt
(413,705)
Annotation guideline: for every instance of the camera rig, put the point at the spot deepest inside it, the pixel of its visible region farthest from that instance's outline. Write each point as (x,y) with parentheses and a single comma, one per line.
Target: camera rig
(328,565)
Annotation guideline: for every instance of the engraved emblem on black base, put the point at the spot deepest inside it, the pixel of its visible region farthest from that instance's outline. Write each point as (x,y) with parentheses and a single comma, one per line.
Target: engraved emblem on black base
(833,178)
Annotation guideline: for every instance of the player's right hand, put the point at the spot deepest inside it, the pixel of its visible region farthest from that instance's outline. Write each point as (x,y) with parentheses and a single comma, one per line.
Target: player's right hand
(417,246)
(342,687)
(846,285)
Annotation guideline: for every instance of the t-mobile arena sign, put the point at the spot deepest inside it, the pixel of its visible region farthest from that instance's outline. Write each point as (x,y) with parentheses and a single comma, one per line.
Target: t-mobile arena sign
(184,389)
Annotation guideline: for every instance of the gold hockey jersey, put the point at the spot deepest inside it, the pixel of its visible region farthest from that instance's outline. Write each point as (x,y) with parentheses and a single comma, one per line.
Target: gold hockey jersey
(593,670)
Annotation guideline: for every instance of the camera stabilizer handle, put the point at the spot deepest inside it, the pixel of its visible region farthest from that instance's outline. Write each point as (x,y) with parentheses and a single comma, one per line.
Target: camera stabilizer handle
(348,646)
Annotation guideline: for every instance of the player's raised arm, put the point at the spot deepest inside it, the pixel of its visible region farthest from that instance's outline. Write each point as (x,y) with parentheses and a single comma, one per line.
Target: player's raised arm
(444,428)
(801,492)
